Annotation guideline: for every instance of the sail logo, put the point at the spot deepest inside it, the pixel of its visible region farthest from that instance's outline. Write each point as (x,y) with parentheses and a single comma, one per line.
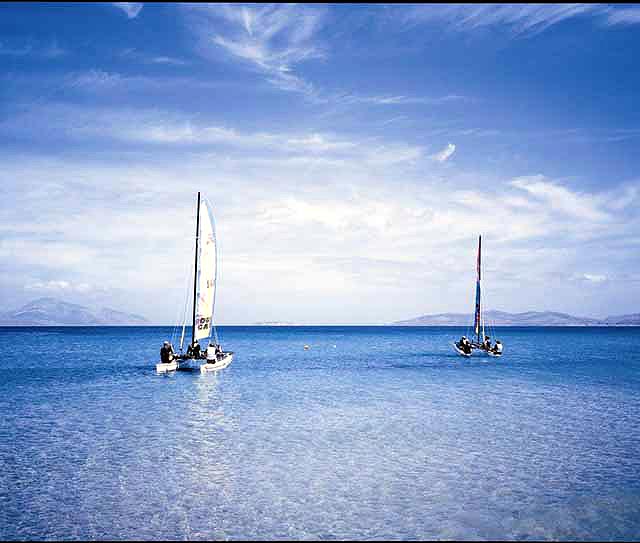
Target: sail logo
(204,323)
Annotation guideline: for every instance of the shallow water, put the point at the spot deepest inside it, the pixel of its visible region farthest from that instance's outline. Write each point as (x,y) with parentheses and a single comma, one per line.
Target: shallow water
(372,433)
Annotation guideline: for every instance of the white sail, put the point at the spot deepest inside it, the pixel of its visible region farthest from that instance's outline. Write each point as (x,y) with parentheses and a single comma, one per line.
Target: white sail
(207,273)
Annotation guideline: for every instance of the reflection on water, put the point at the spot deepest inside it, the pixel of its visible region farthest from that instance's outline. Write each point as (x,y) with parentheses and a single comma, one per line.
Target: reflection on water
(387,435)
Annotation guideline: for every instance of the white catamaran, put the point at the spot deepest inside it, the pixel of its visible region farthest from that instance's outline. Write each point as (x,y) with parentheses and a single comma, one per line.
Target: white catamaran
(465,347)
(203,327)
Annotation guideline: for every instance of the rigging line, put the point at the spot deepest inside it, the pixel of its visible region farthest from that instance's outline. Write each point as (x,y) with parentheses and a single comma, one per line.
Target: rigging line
(215,281)
(177,320)
(186,305)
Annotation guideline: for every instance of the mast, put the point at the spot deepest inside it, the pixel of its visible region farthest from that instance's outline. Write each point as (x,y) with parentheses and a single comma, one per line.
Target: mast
(195,274)
(477,323)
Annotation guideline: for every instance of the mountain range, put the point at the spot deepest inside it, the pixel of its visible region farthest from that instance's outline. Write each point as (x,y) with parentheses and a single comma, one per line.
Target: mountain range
(528,318)
(54,312)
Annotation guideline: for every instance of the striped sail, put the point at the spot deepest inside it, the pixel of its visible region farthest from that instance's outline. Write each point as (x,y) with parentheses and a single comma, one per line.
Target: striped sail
(476,324)
(207,273)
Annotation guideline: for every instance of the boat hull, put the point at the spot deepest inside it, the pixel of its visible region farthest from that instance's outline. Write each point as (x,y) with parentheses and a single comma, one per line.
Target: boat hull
(461,352)
(164,368)
(216,365)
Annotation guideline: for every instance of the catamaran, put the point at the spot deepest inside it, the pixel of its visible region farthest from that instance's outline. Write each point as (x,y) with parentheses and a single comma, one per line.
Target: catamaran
(465,347)
(203,326)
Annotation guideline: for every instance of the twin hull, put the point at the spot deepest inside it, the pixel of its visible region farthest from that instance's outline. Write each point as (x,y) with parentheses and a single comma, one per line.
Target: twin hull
(191,364)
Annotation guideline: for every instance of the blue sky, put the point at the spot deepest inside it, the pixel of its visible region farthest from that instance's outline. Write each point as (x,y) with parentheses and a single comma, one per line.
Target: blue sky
(352,155)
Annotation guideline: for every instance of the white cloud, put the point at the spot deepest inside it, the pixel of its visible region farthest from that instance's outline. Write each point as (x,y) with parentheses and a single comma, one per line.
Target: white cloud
(559,198)
(445,154)
(374,224)
(383,100)
(594,278)
(132,9)
(168,60)
(23,48)
(272,39)
(152,127)
(624,16)
(58,286)
(519,19)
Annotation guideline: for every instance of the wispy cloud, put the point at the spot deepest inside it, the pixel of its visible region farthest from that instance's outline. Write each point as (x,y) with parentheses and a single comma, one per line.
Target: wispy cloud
(519,19)
(347,222)
(393,100)
(144,127)
(624,16)
(30,47)
(272,39)
(58,286)
(132,9)
(146,58)
(445,154)
(592,277)
(559,198)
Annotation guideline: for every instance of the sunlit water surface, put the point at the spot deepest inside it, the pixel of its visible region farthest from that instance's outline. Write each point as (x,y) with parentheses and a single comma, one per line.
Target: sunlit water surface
(372,433)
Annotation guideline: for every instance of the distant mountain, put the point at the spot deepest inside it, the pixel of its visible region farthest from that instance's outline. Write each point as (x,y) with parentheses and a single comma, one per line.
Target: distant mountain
(624,320)
(529,318)
(273,323)
(112,316)
(53,312)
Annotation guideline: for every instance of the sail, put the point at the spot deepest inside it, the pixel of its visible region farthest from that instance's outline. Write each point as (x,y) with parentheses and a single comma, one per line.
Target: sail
(476,324)
(207,273)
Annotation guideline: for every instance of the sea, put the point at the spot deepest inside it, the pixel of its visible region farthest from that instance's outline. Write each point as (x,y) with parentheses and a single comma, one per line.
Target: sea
(372,433)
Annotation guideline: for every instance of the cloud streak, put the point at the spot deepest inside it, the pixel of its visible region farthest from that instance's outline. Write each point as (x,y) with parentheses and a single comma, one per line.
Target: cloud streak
(445,154)
(31,48)
(131,9)
(576,205)
(271,39)
(521,20)
(624,16)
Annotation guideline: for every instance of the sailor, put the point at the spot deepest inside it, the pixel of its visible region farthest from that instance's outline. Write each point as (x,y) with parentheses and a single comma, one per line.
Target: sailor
(194,349)
(218,350)
(211,352)
(166,353)
(464,345)
(497,348)
(486,345)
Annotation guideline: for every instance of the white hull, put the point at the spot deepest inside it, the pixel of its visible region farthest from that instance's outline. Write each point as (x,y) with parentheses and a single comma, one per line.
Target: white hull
(216,365)
(460,352)
(164,368)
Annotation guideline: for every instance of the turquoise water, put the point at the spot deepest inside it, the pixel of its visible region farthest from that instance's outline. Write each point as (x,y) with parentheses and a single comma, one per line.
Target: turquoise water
(372,433)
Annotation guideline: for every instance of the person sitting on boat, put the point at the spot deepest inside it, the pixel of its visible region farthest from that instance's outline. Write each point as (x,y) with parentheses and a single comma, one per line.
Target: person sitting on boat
(194,350)
(497,348)
(211,352)
(486,344)
(166,353)
(219,350)
(464,345)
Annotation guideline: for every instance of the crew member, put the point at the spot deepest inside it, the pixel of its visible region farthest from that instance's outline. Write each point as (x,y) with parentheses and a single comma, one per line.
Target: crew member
(166,353)
(194,349)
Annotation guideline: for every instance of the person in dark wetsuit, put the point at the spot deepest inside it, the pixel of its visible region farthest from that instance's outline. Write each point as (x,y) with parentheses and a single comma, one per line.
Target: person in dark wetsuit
(486,345)
(166,353)
(464,345)
(194,350)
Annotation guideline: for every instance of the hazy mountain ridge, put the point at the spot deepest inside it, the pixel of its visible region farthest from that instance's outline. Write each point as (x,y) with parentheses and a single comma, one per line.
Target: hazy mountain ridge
(54,312)
(528,318)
